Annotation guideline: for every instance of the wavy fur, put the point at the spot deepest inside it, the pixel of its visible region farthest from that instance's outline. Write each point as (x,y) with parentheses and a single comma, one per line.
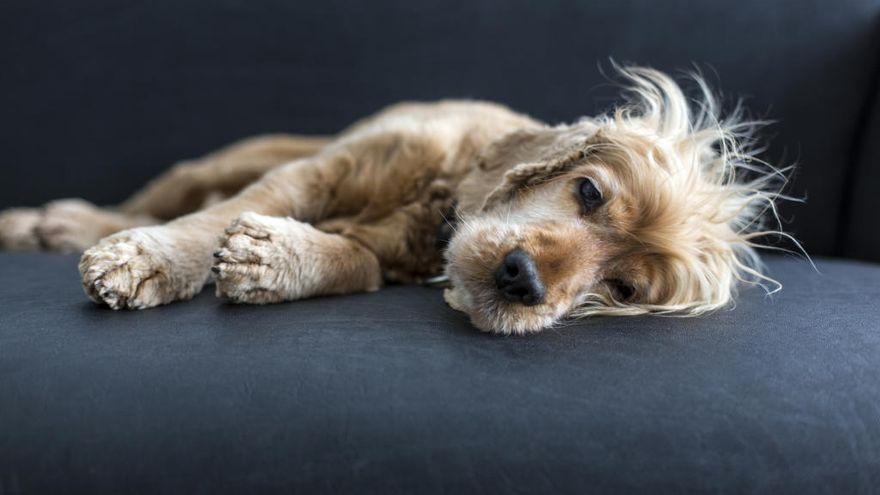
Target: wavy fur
(723,193)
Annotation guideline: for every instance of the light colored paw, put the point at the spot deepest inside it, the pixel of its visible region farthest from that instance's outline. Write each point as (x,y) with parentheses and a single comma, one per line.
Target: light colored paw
(68,225)
(265,260)
(73,225)
(136,269)
(18,229)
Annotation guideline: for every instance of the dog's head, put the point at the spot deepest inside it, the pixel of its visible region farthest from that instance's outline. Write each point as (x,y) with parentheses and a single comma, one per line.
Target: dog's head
(644,210)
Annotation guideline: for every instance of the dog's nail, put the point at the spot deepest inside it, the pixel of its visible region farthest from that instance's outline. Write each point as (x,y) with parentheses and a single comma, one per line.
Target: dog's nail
(215,269)
(217,253)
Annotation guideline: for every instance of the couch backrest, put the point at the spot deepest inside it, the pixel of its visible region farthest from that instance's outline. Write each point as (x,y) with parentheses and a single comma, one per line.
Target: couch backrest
(860,221)
(100,95)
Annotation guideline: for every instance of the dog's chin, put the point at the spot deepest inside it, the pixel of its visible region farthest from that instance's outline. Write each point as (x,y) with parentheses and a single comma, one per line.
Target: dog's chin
(494,315)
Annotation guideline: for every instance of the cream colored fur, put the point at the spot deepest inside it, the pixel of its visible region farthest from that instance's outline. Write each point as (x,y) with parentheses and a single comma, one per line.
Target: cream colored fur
(281,218)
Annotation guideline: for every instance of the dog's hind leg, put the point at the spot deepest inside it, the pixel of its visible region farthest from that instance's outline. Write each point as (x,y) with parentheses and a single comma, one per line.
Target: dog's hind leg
(68,225)
(73,225)
(266,259)
(190,185)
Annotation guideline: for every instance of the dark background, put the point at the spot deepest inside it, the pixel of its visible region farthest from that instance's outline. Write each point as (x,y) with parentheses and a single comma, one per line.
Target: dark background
(100,95)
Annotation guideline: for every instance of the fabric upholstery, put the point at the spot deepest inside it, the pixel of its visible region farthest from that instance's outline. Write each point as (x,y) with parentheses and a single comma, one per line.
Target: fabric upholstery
(395,392)
(101,95)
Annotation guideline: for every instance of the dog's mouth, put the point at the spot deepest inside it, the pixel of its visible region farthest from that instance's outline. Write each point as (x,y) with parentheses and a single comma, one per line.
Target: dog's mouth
(492,313)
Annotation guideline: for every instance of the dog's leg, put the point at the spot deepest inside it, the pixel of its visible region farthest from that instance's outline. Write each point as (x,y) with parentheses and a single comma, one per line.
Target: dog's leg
(72,225)
(266,259)
(149,266)
(190,185)
(269,259)
(68,225)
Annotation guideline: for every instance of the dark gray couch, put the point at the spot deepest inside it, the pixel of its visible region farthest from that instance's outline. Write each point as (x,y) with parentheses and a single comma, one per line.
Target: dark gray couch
(393,391)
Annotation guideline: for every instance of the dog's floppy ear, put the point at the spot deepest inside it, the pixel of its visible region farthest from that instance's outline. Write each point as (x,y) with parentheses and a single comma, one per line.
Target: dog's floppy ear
(531,174)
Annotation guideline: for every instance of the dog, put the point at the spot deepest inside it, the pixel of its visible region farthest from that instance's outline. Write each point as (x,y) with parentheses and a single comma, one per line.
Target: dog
(655,207)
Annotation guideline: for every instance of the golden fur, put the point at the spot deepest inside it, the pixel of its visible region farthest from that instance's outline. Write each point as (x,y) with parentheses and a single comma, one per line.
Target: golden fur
(683,201)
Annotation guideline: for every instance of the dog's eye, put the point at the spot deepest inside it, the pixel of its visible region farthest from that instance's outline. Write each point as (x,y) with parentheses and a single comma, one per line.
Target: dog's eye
(590,195)
(621,290)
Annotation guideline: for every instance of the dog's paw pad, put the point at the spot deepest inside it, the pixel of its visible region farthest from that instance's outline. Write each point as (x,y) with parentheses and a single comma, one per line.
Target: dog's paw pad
(129,270)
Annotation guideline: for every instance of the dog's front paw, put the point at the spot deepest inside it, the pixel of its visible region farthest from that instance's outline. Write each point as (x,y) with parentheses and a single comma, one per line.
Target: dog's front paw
(18,229)
(135,269)
(260,260)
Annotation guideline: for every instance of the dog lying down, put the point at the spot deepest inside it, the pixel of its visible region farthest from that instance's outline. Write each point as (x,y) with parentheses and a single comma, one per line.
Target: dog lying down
(652,208)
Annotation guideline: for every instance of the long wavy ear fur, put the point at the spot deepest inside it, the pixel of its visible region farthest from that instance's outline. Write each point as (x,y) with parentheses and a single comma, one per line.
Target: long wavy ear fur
(724,192)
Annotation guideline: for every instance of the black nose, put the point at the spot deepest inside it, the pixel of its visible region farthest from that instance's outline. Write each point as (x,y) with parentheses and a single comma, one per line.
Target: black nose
(517,279)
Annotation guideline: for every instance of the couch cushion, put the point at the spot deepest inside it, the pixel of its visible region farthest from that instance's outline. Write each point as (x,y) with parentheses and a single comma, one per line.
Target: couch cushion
(394,391)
